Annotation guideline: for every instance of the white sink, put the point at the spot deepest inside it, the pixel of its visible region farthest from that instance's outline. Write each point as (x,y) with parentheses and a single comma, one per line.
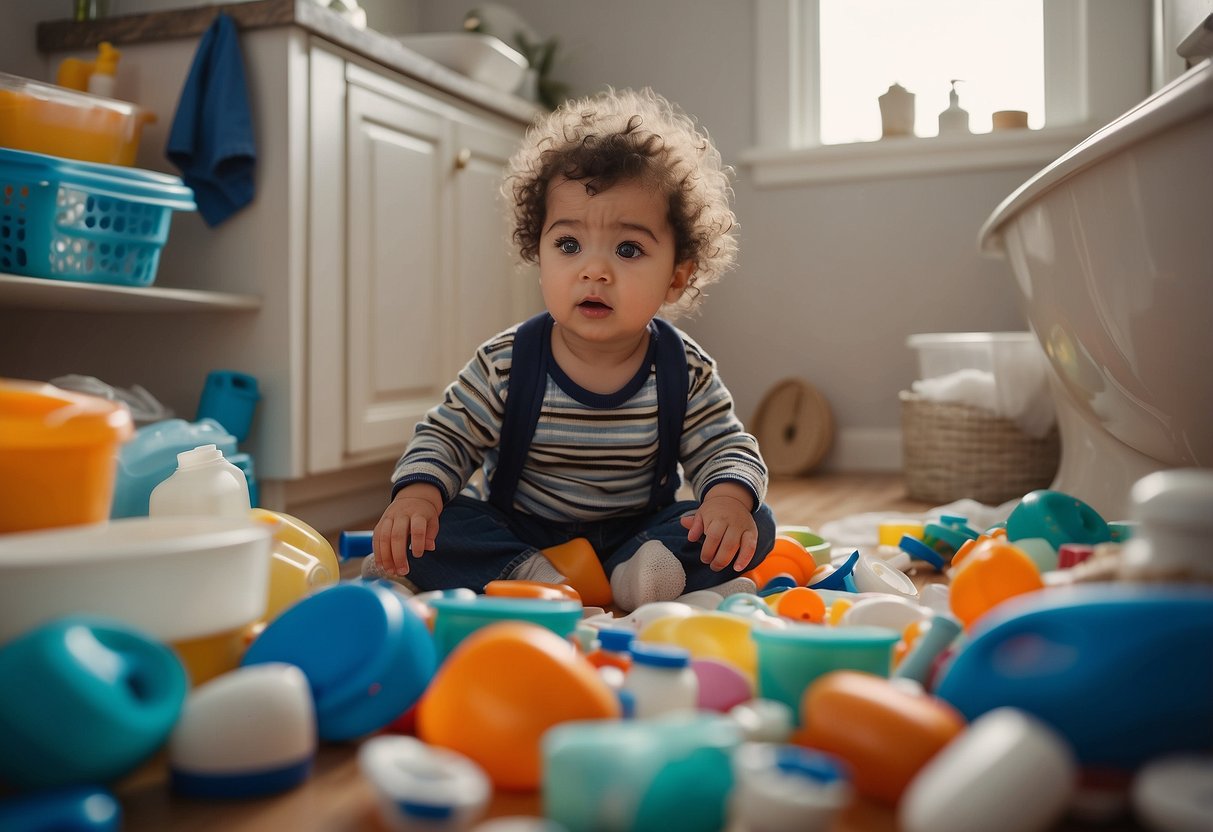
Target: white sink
(482,58)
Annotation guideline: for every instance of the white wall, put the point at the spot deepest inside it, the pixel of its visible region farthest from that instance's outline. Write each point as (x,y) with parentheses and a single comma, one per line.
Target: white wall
(831,278)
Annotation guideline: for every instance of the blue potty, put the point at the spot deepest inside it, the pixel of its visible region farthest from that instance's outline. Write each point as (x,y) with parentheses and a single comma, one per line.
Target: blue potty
(230,398)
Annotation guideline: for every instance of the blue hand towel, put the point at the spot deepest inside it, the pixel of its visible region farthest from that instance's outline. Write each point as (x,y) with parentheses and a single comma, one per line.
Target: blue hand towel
(211,140)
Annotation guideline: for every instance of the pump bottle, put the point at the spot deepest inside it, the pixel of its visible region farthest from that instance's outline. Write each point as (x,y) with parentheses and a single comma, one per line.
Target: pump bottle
(955,119)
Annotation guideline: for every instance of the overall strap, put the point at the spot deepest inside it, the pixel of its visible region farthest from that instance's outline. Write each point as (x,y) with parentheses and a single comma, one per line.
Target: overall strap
(672,389)
(523,403)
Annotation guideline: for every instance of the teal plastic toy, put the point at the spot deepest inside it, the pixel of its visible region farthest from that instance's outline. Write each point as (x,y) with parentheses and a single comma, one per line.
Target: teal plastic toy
(85,701)
(669,772)
(1058,518)
(457,618)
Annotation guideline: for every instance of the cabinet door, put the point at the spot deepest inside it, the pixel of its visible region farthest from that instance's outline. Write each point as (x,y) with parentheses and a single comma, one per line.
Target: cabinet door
(397,362)
(491,290)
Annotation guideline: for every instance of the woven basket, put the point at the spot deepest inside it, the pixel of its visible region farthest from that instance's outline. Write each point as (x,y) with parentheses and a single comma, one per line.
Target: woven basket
(952,451)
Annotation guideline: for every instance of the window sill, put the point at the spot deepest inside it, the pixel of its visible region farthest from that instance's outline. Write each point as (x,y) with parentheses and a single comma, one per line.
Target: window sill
(911,156)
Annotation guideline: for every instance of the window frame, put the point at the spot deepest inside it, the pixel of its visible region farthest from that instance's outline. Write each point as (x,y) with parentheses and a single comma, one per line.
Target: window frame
(1097,64)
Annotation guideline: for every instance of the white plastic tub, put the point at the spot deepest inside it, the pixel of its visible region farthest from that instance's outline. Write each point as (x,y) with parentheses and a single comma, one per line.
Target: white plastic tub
(174,578)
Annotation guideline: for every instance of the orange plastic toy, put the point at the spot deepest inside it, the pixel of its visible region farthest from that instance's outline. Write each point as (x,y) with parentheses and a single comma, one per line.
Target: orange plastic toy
(501,689)
(787,557)
(579,564)
(532,589)
(58,455)
(801,604)
(885,733)
(993,571)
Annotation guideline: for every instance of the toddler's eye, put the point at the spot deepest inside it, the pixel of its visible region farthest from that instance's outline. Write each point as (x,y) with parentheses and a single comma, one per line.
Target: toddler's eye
(629,251)
(568,245)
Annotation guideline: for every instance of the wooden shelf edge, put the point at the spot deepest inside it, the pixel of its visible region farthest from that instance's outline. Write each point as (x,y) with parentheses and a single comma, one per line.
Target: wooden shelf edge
(66,295)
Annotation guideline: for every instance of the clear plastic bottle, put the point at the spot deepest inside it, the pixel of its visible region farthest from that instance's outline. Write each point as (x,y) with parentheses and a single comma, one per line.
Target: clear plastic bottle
(661,680)
(204,484)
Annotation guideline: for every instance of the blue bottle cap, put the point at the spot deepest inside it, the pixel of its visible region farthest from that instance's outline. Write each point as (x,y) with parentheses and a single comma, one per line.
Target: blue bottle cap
(660,655)
(615,640)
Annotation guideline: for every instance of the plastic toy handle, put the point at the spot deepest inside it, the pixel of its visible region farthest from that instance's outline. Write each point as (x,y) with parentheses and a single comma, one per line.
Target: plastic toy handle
(355,544)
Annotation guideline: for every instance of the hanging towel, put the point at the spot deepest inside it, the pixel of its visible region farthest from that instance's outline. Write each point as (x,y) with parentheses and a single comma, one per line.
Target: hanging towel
(211,140)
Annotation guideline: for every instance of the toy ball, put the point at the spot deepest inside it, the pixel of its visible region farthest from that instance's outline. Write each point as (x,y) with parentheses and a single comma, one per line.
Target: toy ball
(246,733)
(501,689)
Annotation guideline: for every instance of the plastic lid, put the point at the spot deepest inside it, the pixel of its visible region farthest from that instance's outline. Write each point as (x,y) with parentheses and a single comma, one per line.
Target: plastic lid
(1176,498)
(115,181)
(198,456)
(38,415)
(615,640)
(659,655)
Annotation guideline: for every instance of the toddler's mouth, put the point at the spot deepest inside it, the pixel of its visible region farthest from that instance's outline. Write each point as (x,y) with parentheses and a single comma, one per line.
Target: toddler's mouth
(593,303)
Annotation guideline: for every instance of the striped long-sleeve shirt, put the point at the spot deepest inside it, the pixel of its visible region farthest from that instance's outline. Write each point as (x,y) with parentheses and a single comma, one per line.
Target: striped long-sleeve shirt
(593,454)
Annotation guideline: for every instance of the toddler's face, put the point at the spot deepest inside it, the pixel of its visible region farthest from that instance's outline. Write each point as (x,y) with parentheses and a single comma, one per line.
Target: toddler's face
(606,262)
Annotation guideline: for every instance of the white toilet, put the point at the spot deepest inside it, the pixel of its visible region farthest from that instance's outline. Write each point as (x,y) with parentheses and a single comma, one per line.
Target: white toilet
(1112,249)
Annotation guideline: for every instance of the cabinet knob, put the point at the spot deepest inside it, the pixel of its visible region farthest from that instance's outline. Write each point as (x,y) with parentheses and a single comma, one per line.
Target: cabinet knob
(462,158)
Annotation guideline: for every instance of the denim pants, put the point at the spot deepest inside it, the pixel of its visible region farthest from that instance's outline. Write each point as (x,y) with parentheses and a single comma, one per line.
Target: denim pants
(478,543)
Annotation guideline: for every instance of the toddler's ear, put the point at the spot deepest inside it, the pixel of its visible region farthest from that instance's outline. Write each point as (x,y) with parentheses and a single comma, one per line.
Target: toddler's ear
(678,281)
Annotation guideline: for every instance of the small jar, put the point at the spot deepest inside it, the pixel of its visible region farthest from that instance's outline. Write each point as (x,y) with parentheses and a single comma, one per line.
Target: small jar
(661,680)
(612,650)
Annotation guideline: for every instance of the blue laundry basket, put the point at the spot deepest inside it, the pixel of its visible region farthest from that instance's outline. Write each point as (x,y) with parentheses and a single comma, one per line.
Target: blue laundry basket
(70,220)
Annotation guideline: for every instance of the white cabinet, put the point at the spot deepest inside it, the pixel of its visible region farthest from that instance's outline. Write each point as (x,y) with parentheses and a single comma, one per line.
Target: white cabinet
(376,245)
(427,272)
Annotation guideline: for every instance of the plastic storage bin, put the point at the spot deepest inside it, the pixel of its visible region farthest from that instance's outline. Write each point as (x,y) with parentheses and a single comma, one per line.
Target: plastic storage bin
(57,455)
(1014,359)
(45,118)
(70,220)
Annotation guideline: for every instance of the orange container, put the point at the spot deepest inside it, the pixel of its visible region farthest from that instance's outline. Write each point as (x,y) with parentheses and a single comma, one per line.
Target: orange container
(58,455)
(44,118)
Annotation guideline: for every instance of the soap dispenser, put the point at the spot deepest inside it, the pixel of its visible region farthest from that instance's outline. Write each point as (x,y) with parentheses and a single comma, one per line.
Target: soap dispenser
(955,119)
(101,82)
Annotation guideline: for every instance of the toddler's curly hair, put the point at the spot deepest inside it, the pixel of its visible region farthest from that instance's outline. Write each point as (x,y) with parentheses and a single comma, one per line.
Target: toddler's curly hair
(630,135)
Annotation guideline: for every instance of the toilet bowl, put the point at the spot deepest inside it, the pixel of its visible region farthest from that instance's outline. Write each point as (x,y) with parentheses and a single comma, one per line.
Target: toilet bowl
(1112,250)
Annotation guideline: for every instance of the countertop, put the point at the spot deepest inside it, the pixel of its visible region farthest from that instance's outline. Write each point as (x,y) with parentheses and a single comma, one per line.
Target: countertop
(68,35)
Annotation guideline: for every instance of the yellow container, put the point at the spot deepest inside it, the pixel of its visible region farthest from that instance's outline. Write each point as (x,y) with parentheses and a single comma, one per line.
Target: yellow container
(294,531)
(58,455)
(44,118)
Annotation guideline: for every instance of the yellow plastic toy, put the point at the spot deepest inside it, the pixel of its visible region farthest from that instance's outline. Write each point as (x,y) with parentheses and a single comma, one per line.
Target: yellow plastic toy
(302,561)
(709,635)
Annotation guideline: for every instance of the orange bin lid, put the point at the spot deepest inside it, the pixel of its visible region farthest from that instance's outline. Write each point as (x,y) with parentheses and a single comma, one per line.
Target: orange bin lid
(34,414)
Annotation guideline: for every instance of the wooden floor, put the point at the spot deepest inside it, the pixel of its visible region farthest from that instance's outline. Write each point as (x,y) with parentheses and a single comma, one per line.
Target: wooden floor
(336,796)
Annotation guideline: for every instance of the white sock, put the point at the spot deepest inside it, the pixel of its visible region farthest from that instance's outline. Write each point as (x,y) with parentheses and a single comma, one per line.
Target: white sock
(652,574)
(372,572)
(735,586)
(537,568)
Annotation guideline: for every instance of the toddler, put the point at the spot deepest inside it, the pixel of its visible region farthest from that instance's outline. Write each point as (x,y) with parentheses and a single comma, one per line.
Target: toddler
(580,417)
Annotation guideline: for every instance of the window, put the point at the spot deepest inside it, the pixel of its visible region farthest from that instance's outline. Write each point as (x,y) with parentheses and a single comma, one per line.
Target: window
(995,48)
(1071,64)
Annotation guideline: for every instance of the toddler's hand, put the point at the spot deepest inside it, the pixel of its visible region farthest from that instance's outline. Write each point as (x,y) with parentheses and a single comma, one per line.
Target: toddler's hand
(725,521)
(411,518)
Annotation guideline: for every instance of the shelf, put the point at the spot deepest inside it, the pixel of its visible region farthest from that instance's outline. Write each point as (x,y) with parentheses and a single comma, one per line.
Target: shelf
(66,295)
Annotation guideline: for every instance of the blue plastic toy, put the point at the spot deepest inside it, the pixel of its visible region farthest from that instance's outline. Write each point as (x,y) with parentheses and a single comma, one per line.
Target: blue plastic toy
(230,398)
(840,578)
(83,809)
(356,544)
(85,700)
(367,656)
(1123,672)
